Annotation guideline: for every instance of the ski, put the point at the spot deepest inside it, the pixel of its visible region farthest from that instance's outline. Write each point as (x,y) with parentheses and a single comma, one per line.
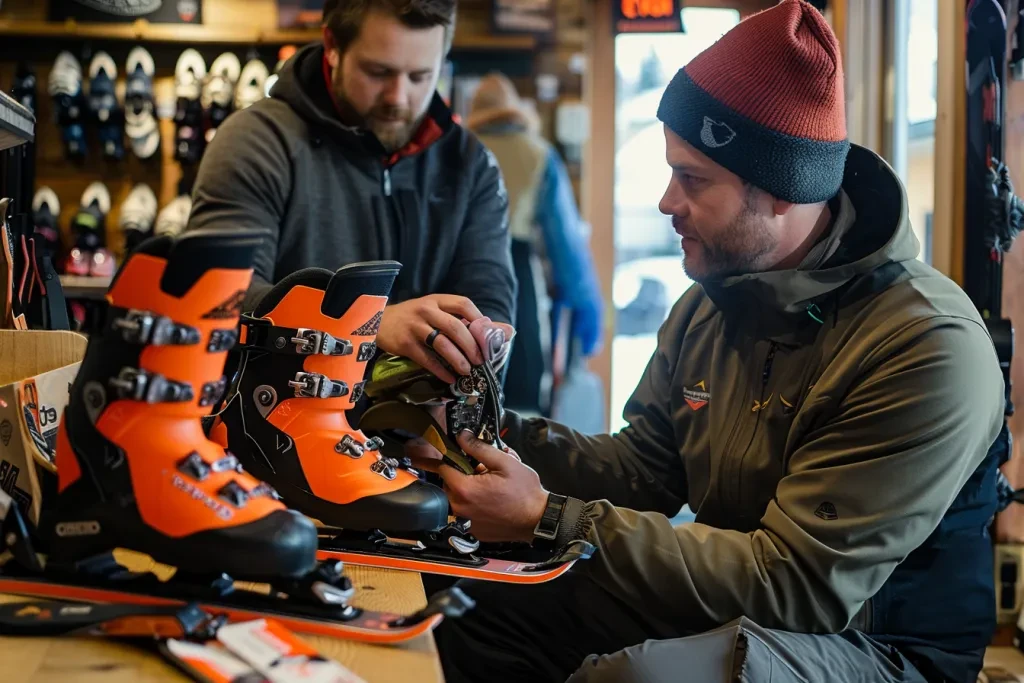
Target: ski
(316,604)
(346,623)
(58,618)
(518,565)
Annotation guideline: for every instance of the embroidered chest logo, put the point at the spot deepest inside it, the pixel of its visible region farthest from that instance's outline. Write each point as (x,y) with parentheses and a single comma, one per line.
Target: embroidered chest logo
(827,512)
(698,396)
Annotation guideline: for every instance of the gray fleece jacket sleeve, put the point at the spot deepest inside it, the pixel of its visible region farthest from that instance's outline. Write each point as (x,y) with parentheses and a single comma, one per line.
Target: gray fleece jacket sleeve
(891,458)
(244,182)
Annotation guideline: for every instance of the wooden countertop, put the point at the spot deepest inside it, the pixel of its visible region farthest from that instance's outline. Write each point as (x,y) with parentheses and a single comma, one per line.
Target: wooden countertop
(92,660)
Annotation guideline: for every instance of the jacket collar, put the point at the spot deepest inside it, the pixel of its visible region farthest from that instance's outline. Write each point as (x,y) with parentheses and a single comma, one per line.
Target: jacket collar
(871,230)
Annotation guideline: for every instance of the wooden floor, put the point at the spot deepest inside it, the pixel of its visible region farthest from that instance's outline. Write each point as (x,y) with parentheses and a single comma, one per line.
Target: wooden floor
(90,660)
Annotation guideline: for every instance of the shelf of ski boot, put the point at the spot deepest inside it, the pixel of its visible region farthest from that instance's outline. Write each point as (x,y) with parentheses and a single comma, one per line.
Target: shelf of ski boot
(144,31)
(84,286)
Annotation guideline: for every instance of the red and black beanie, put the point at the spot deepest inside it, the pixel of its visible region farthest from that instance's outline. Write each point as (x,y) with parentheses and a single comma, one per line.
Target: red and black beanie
(766,102)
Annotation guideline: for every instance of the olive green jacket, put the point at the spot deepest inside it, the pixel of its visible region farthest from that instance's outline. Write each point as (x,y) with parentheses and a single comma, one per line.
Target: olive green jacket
(818,421)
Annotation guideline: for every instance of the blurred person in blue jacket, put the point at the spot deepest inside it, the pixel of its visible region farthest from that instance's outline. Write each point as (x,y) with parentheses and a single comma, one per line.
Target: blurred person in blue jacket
(550,252)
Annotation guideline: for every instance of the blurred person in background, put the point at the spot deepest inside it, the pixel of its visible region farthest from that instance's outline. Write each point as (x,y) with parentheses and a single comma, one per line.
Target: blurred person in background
(550,251)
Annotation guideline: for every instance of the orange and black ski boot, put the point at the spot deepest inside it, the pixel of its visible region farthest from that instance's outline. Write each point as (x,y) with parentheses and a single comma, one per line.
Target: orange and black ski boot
(304,354)
(135,469)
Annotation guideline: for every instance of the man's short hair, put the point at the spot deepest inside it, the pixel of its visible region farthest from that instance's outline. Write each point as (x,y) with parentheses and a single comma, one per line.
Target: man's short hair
(345,18)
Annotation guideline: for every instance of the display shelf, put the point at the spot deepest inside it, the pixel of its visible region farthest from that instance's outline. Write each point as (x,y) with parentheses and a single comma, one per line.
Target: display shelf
(17,124)
(488,42)
(143,31)
(84,287)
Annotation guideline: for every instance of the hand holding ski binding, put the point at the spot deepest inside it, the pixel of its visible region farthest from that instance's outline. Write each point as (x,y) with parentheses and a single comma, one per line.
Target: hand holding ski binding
(405,398)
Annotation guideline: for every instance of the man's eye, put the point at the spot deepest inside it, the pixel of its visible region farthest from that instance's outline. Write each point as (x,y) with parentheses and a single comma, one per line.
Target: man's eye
(418,78)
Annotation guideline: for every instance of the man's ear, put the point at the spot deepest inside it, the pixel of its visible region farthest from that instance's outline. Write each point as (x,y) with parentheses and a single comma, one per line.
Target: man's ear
(331,48)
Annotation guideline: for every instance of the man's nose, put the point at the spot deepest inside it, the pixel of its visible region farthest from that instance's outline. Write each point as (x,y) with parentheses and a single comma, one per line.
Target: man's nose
(395,93)
(673,202)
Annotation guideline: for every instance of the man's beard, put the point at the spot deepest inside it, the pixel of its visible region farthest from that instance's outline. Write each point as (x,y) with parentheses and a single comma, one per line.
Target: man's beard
(394,127)
(739,249)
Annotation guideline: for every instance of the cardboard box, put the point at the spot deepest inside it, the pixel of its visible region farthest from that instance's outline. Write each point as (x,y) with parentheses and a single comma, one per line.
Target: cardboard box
(37,369)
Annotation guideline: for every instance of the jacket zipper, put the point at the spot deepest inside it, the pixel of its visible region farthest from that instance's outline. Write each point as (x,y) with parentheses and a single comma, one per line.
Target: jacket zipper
(766,372)
(387,182)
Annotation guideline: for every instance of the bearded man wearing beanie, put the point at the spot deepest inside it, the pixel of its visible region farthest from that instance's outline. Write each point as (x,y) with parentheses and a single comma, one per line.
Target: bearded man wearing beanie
(827,405)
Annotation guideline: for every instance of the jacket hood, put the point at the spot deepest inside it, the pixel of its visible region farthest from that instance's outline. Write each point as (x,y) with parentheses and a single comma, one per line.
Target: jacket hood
(301,84)
(871,230)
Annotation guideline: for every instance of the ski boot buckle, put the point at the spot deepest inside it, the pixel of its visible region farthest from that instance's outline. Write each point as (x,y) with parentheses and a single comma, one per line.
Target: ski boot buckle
(315,385)
(142,327)
(141,385)
(310,342)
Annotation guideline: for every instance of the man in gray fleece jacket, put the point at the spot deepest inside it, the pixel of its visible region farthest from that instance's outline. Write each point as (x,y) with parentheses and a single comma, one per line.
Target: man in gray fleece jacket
(827,405)
(354,157)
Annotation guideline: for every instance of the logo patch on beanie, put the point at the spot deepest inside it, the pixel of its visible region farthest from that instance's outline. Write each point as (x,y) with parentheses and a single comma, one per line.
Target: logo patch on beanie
(716,133)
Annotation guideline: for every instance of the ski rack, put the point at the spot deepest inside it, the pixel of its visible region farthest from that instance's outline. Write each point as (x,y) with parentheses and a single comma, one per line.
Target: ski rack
(992,211)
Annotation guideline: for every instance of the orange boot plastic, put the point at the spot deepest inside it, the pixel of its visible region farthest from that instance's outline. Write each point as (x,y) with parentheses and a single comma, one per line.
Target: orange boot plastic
(304,355)
(135,468)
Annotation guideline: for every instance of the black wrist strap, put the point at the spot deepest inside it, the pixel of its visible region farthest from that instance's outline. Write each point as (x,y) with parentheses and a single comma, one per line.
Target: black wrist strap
(547,527)
(575,523)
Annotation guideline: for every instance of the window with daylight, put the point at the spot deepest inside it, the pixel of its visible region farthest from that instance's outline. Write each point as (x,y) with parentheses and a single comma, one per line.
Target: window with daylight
(921,38)
(649,274)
